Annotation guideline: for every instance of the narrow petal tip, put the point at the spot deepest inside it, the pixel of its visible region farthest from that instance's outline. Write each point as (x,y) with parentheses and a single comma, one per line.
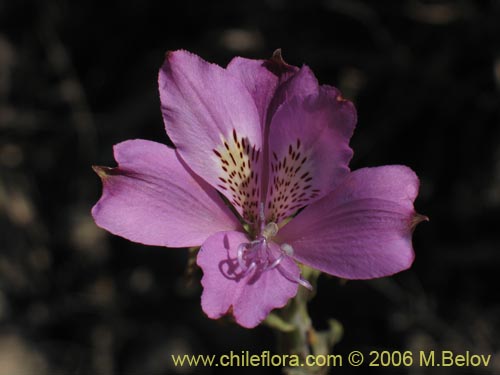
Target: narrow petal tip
(341,99)
(169,54)
(277,57)
(102,172)
(277,65)
(416,219)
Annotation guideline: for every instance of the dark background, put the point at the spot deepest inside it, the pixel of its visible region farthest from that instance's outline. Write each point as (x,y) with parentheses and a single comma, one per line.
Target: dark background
(77,77)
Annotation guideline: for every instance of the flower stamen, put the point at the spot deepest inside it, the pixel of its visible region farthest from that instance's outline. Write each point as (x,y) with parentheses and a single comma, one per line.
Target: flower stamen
(306,284)
(257,254)
(276,262)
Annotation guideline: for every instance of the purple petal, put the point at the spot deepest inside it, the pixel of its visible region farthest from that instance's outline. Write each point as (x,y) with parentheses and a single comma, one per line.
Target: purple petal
(153,199)
(302,83)
(214,123)
(261,78)
(250,297)
(309,150)
(363,229)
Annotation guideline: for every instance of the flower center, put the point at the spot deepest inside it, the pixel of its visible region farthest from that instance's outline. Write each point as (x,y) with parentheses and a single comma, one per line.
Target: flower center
(258,255)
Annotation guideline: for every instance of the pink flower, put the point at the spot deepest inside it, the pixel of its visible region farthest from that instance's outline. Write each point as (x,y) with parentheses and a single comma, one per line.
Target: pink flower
(269,140)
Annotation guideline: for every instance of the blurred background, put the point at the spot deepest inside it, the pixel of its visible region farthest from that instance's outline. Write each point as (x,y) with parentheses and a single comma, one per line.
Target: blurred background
(77,77)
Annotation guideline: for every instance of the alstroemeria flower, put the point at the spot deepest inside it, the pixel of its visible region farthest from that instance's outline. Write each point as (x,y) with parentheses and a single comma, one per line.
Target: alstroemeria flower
(266,138)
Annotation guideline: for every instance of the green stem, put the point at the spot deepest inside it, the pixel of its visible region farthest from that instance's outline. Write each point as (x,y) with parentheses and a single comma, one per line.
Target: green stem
(295,331)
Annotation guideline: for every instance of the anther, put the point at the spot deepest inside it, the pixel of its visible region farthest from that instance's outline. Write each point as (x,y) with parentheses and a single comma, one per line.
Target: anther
(287,249)
(270,230)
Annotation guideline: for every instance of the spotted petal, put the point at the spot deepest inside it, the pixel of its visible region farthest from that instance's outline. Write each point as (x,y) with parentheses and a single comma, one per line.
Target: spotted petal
(309,150)
(152,198)
(214,123)
(361,230)
(250,297)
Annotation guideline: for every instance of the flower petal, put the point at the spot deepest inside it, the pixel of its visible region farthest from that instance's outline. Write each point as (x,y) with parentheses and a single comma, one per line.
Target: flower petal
(262,78)
(302,83)
(214,123)
(250,297)
(309,150)
(361,230)
(152,198)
